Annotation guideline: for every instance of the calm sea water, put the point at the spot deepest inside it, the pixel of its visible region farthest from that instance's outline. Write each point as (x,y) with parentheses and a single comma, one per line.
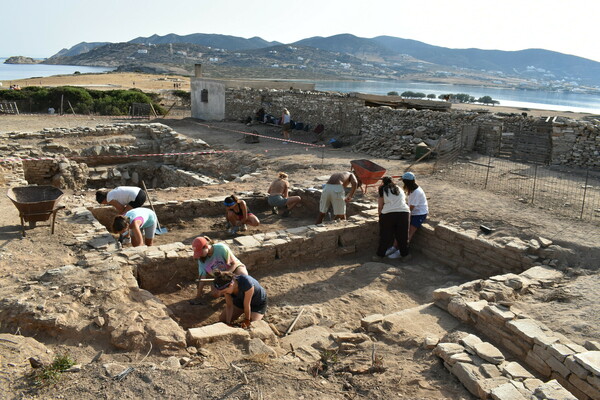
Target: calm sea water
(24,71)
(575,102)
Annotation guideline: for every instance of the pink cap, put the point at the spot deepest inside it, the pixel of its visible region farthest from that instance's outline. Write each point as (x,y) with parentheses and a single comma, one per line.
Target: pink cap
(198,244)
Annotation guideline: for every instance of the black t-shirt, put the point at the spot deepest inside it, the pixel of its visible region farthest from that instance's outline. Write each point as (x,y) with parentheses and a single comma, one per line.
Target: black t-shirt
(245,282)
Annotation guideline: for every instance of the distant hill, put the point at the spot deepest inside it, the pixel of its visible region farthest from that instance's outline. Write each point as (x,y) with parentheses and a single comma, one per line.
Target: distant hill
(20,60)
(340,56)
(80,48)
(209,40)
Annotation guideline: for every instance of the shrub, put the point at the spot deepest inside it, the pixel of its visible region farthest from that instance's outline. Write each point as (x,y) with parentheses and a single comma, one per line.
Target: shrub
(51,374)
(392,93)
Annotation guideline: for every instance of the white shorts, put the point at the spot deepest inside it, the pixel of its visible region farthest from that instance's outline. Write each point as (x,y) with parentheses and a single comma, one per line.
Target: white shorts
(333,195)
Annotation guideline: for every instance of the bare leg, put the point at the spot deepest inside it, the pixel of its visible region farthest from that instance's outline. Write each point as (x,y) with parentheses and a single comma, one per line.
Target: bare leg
(293,202)
(411,232)
(252,220)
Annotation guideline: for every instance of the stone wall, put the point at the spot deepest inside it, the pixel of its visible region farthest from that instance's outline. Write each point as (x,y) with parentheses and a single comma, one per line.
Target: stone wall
(549,353)
(393,133)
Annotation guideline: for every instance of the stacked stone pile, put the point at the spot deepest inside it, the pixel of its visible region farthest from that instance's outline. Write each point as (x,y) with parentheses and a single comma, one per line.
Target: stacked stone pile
(484,371)
(549,353)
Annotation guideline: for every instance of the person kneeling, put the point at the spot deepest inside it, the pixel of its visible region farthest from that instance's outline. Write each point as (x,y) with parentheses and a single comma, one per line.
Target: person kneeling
(243,295)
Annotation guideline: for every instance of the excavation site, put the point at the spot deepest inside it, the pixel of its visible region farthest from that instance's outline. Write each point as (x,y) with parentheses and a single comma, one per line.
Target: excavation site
(498,299)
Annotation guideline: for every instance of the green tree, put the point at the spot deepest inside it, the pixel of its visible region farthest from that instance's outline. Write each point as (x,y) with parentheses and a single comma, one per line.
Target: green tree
(431,96)
(392,93)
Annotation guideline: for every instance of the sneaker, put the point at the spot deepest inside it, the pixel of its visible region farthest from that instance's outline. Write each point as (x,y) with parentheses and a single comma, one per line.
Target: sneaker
(390,251)
(376,258)
(395,254)
(243,228)
(275,210)
(234,230)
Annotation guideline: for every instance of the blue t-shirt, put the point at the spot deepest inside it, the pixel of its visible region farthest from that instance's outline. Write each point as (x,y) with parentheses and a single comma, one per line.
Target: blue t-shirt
(245,282)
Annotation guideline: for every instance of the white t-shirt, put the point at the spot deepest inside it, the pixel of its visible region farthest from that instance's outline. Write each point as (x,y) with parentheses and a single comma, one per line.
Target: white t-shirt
(123,194)
(419,201)
(394,203)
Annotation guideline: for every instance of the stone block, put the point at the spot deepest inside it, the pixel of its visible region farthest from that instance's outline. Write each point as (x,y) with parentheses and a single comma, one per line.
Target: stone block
(576,368)
(369,320)
(543,274)
(489,370)
(446,350)
(584,386)
(262,330)
(592,345)
(515,371)
(538,364)
(527,329)
(590,360)
(557,366)
(216,333)
(256,347)
(559,351)
(506,391)
(553,390)
(469,342)
(246,241)
(499,313)
(489,352)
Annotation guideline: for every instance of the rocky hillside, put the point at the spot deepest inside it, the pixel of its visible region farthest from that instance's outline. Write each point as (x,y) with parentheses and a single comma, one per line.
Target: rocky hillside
(20,60)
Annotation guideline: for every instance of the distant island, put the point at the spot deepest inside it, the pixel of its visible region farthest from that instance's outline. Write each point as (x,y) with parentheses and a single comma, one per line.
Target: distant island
(20,60)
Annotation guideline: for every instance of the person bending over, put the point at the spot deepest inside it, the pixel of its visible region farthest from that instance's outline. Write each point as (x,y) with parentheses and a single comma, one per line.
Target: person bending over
(210,258)
(417,201)
(141,223)
(334,195)
(278,195)
(123,198)
(243,295)
(238,215)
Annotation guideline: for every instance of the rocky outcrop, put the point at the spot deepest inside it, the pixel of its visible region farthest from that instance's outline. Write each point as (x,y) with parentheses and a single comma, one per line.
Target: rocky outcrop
(20,60)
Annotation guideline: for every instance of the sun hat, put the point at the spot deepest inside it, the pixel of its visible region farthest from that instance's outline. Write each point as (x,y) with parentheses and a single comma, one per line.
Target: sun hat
(229,201)
(409,176)
(198,244)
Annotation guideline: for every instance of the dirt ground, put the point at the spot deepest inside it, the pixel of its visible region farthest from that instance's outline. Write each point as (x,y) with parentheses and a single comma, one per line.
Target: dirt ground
(336,292)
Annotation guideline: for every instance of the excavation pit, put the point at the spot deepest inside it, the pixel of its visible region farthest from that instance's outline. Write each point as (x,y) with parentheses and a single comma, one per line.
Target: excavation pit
(188,219)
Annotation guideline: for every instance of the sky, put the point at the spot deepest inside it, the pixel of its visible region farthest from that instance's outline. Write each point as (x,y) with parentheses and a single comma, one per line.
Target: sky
(36,28)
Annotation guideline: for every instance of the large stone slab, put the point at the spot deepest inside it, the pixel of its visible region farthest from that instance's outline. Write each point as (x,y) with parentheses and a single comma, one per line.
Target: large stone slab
(215,333)
(590,360)
(421,322)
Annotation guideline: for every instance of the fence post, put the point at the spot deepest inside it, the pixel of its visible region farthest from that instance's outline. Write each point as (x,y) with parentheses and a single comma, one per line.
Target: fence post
(534,183)
(587,175)
(487,174)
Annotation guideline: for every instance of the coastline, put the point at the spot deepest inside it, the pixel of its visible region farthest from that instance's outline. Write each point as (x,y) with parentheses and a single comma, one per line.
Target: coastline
(158,83)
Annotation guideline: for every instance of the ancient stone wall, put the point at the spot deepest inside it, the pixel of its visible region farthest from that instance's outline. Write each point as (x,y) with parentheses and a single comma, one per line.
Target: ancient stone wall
(394,133)
(548,352)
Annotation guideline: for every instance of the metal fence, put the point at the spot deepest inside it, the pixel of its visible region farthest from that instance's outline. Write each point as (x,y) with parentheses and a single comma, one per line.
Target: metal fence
(572,192)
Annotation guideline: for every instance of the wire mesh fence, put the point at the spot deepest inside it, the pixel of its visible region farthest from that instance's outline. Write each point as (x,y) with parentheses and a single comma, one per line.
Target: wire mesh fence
(574,193)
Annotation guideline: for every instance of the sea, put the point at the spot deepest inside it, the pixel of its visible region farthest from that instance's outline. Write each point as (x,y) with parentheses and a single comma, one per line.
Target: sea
(520,98)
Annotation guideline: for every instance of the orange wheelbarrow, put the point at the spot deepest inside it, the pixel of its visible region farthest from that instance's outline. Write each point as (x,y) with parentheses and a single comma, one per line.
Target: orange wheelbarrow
(367,172)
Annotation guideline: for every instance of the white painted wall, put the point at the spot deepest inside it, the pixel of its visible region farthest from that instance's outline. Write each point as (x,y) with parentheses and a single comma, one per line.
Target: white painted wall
(214,109)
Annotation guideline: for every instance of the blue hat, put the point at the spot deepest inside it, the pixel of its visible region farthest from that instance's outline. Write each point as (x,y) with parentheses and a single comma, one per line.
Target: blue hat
(229,201)
(409,176)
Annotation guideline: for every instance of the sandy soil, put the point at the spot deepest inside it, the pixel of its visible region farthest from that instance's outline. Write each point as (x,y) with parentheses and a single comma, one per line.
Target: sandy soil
(337,292)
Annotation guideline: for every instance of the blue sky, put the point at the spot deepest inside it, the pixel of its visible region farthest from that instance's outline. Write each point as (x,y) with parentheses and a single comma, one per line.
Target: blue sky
(39,28)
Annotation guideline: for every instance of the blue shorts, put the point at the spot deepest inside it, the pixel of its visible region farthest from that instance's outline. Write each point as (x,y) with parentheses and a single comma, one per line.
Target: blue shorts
(417,220)
(277,200)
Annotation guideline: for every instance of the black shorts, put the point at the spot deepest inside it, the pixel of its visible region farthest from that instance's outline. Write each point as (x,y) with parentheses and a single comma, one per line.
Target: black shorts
(258,308)
(139,201)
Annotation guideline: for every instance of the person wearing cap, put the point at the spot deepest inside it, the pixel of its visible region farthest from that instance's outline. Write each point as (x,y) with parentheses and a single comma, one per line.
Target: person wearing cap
(417,201)
(286,121)
(238,215)
(243,295)
(394,217)
(278,195)
(333,194)
(212,257)
(141,223)
(122,198)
